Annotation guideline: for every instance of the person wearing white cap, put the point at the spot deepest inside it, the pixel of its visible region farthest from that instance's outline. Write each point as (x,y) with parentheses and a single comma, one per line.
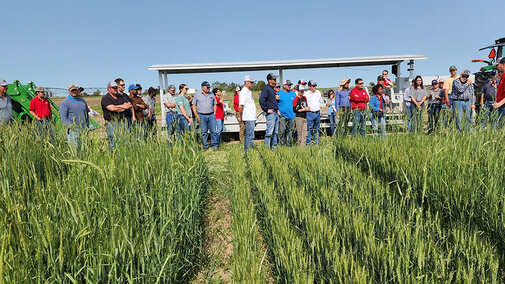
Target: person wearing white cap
(74,113)
(300,108)
(247,111)
(6,115)
(314,114)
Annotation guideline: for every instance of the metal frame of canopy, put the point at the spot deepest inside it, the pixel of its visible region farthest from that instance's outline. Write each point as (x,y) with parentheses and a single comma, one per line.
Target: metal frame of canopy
(280,65)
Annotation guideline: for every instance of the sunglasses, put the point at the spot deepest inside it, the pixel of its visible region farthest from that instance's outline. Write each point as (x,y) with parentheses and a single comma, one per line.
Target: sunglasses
(122,85)
(360,83)
(115,88)
(465,76)
(186,89)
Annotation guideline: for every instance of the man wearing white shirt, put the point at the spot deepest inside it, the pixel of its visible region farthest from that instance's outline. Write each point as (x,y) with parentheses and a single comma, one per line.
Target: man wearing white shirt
(314,114)
(247,111)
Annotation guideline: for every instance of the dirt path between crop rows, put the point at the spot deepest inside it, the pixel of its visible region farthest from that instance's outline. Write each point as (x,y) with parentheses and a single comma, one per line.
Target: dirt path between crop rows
(218,247)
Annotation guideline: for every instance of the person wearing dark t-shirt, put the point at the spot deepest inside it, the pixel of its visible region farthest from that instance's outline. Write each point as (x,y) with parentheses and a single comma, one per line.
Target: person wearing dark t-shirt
(114,107)
(300,107)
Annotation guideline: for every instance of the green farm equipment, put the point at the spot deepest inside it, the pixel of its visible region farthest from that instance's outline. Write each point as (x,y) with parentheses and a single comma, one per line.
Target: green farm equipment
(21,96)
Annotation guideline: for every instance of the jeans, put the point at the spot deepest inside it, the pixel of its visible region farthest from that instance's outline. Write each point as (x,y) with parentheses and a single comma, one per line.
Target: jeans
(208,124)
(139,129)
(286,129)
(116,131)
(45,129)
(417,118)
(433,116)
(382,122)
(333,122)
(500,117)
(219,129)
(409,110)
(75,136)
(248,134)
(358,121)
(343,119)
(151,127)
(182,126)
(171,120)
(460,109)
(313,124)
(272,130)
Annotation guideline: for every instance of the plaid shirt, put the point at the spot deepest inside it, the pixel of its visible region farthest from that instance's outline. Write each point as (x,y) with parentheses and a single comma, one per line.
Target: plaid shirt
(462,91)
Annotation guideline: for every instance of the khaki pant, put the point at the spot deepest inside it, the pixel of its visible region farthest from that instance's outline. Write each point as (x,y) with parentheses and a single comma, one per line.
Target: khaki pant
(301,130)
(242,128)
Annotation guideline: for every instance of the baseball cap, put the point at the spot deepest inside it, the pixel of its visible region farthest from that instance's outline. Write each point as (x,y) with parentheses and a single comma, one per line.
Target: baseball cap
(271,76)
(112,84)
(434,82)
(278,85)
(138,85)
(3,82)
(249,78)
(380,78)
(302,82)
(452,68)
(72,87)
(441,81)
(466,72)
(312,83)
(133,87)
(172,87)
(206,84)
(500,60)
(40,89)
(288,82)
(152,90)
(238,89)
(300,87)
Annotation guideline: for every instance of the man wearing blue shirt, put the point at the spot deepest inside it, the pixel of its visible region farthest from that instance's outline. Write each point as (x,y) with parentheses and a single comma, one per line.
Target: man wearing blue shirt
(269,105)
(74,113)
(343,106)
(287,115)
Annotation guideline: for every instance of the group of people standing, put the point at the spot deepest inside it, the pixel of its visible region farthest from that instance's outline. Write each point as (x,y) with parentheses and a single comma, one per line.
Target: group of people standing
(455,100)
(293,113)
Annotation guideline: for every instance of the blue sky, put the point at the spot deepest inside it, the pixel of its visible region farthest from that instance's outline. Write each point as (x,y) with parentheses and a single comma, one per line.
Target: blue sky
(54,43)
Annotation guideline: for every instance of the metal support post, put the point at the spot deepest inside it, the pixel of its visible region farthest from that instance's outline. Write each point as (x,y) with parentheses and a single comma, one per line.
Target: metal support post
(163,121)
(281,77)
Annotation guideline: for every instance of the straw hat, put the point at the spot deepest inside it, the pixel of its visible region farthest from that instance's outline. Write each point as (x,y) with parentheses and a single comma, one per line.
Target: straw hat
(345,81)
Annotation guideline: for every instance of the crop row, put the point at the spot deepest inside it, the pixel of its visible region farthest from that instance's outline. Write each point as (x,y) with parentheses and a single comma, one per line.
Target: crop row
(248,256)
(460,177)
(129,215)
(353,228)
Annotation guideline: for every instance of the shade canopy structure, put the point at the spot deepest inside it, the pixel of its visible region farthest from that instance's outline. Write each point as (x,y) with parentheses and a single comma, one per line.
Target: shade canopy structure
(280,65)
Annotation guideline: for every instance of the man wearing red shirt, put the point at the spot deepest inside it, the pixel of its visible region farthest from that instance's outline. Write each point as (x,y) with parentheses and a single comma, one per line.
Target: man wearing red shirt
(40,109)
(237,114)
(499,106)
(358,98)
